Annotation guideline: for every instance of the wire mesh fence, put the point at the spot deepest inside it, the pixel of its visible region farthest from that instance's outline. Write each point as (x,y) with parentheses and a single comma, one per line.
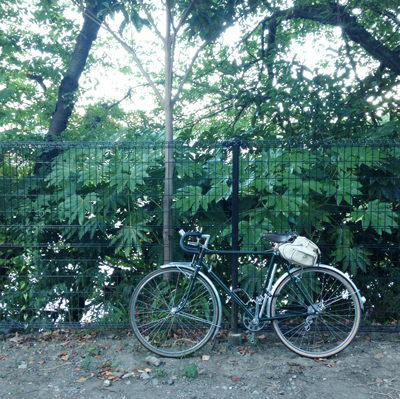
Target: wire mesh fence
(81,223)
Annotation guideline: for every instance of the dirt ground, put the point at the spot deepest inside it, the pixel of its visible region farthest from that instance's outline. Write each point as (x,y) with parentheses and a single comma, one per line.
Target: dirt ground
(113,365)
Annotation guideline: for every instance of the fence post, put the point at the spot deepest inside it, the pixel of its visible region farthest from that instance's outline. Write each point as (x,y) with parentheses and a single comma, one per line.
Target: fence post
(234,335)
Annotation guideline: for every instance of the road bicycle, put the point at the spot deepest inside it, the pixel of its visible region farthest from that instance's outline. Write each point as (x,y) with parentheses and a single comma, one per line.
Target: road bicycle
(314,310)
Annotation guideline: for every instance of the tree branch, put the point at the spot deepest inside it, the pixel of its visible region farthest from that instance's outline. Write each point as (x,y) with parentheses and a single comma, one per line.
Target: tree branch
(97,119)
(152,23)
(271,46)
(351,60)
(132,51)
(38,79)
(190,67)
(208,116)
(188,70)
(185,15)
(338,16)
(128,94)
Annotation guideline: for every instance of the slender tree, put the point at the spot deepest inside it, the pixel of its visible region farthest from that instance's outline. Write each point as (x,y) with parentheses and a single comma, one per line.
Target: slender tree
(209,20)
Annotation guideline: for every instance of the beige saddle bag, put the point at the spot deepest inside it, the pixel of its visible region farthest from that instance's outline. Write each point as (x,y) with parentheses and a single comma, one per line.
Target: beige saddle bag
(301,251)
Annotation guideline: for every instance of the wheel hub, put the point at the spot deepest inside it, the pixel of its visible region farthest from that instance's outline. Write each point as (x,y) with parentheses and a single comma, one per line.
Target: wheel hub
(314,311)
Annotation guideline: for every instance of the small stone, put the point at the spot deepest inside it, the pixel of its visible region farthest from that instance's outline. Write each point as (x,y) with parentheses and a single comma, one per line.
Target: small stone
(144,376)
(153,361)
(23,366)
(171,381)
(107,383)
(128,375)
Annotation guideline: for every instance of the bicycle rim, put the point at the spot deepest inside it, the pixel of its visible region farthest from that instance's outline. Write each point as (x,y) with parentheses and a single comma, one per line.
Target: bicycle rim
(319,334)
(156,320)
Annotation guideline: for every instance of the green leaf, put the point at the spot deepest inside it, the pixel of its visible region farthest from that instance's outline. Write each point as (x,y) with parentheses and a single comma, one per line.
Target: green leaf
(191,198)
(186,167)
(286,203)
(60,173)
(343,236)
(313,186)
(5,94)
(131,235)
(138,173)
(378,215)
(347,188)
(251,278)
(76,207)
(352,258)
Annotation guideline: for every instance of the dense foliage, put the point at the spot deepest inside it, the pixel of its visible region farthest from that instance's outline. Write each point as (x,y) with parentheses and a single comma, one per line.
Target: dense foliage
(82,222)
(84,228)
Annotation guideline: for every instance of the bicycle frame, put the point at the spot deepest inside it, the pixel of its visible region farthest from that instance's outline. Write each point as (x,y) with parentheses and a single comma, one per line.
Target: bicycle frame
(199,264)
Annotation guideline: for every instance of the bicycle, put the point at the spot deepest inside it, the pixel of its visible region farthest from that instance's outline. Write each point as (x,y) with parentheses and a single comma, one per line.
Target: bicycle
(176,310)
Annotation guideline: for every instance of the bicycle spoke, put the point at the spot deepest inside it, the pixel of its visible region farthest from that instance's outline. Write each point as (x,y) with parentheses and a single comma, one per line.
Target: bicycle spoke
(167,319)
(333,316)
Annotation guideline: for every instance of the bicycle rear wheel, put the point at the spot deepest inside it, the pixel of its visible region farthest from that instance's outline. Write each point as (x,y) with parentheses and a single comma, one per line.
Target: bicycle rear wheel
(157,320)
(316,334)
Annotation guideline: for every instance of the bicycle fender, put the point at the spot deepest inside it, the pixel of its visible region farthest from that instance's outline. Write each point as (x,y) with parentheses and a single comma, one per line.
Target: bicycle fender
(188,266)
(321,266)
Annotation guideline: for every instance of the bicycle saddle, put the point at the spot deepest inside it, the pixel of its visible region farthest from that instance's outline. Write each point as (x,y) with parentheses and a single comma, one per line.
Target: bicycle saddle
(280,238)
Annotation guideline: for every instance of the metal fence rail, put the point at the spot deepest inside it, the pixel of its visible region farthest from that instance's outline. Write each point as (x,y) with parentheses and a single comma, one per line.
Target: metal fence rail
(81,223)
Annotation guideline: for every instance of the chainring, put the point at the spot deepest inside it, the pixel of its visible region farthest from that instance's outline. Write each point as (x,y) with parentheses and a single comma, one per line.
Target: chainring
(248,322)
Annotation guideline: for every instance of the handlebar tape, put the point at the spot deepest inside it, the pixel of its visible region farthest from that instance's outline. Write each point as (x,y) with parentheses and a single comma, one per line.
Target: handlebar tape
(190,249)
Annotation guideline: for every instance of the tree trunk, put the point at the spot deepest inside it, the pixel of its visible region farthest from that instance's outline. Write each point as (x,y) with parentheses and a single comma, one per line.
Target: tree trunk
(69,84)
(168,187)
(169,143)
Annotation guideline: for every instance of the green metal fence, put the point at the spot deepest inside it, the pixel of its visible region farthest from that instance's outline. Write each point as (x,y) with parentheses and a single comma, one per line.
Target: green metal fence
(81,223)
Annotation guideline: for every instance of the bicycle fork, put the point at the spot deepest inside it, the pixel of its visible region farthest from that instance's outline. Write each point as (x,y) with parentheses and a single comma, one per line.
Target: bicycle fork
(192,273)
(182,303)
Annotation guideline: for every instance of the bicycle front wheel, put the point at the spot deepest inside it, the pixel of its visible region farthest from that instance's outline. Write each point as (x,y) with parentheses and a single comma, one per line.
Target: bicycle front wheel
(319,309)
(167,319)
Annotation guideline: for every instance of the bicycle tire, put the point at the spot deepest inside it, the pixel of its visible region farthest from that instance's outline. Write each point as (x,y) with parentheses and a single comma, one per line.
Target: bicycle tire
(316,335)
(157,324)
